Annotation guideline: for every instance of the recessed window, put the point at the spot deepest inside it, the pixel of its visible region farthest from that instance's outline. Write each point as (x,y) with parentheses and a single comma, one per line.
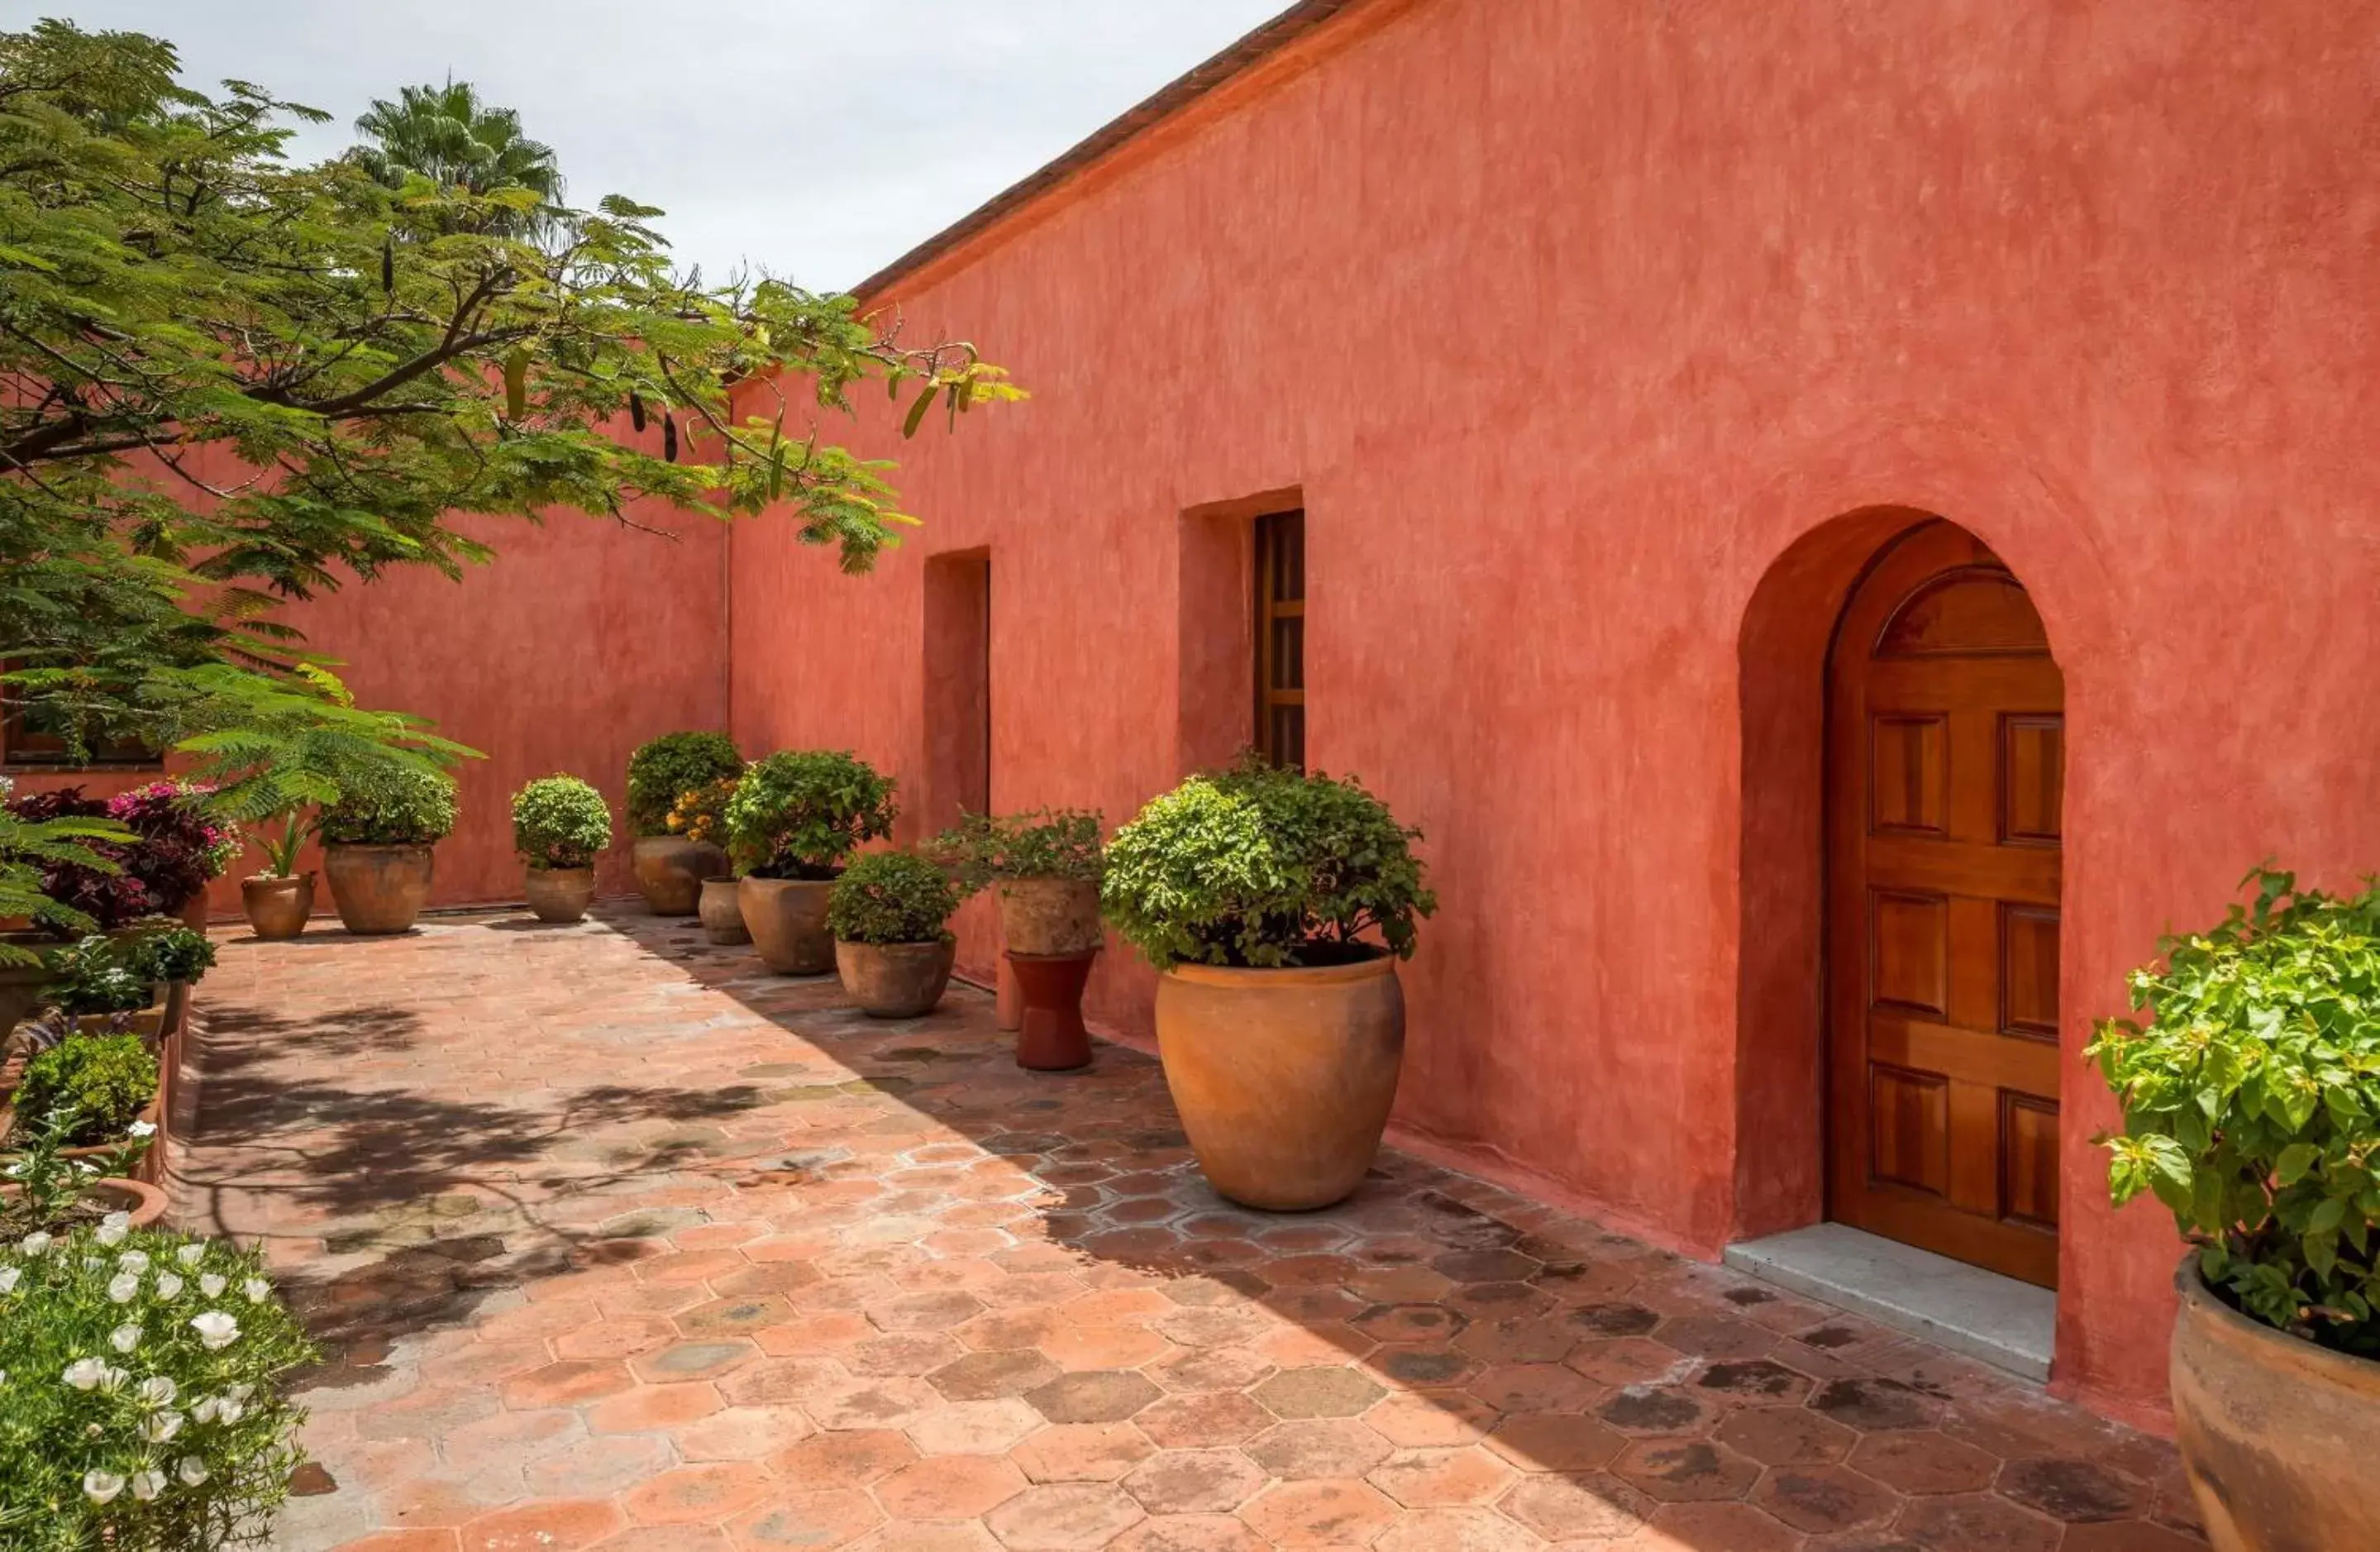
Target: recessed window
(1280,617)
(958,688)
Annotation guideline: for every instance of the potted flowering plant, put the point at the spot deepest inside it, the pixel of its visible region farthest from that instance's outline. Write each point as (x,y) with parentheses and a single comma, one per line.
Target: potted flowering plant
(793,818)
(889,914)
(2252,1111)
(700,815)
(1275,906)
(560,825)
(151,1369)
(671,866)
(377,841)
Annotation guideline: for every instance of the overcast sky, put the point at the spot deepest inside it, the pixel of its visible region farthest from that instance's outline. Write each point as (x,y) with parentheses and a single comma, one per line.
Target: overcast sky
(818,137)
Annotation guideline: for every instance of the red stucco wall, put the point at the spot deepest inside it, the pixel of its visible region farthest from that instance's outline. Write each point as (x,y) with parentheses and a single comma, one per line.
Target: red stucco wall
(581,640)
(1569,321)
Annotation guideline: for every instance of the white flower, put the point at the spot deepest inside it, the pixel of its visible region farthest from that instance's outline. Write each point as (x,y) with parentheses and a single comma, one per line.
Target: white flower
(34,1243)
(111,1378)
(122,1286)
(110,1234)
(148,1483)
(117,1220)
(216,1329)
(168,1286)
(8,1278)
(141,1128)
(257,1289)
(191,1469)
(101,1487)
(191,1255)
(240,1392)
(159,1427)
(84,1373)
(134,1261)
(229,1411)
(157,1390)
(207,1410)
(211,1286)
(124,1338)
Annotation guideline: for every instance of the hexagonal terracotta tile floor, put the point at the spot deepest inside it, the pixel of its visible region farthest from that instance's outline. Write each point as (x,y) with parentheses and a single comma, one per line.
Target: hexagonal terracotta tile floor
(619,1242)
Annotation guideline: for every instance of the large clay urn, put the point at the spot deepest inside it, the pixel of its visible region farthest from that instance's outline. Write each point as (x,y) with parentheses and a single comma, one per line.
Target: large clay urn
(723,913)
(277,908)
(1050,916)
(378,889)
(670,871)
(787,920)
(894,979)
(2276,1435)
(1284,1077)
(559,893)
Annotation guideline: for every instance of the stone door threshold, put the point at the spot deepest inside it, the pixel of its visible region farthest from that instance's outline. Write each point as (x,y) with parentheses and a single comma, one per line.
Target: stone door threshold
(1998,1320)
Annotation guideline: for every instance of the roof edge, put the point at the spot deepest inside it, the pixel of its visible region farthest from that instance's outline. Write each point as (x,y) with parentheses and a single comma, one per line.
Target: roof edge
(1291,27)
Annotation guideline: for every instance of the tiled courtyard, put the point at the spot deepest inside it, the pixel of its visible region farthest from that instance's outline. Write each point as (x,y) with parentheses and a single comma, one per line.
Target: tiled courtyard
(617,1241)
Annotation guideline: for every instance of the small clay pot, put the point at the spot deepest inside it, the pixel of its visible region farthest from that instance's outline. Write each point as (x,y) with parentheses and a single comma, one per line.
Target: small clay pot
(2276,1434)
(277,908)
(895,980)
(1050,916)
(787,920)
(723,913)
(1284,1077)
(670,872)
(378,889)
(560,894)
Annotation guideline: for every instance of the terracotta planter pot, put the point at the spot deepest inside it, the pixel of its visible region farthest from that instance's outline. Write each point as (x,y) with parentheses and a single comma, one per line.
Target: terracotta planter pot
(149,1023)
(277,908)
(559,893)
(894,979)
(1050,916)
(723,913)
(671,870)
(2276,1435)
(378,889)
(787,920)
(144,1201)
(194,911)
(1284,1077)
(1049,1032)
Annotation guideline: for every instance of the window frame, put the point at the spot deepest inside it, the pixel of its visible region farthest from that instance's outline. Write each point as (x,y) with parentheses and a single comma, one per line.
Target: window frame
(1281,594)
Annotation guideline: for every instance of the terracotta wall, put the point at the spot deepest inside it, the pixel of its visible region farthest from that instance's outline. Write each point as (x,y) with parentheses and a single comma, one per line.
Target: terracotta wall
(1568,323)
(580,642)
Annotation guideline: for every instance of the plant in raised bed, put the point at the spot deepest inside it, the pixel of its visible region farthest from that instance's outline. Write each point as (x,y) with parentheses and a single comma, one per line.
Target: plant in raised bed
(1275,906)
(560,825)
(2251,1110)
(795,818)
(890,914)
(671,863)
(377,845)
(102,1081)
(144,1407)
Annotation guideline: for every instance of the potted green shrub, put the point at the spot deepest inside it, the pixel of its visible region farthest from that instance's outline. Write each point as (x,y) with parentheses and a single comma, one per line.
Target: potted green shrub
(1045,867)
(560,825)
(1275,906)
(2251,1110)
(377,843)
(793,818)
(152,1368)
(889,913)
(672,866)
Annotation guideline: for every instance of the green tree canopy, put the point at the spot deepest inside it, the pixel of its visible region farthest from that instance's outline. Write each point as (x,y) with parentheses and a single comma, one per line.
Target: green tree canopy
(446,134)
(227,380)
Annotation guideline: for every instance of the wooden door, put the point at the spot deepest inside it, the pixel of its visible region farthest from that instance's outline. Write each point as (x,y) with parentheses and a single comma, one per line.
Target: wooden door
(1946,744)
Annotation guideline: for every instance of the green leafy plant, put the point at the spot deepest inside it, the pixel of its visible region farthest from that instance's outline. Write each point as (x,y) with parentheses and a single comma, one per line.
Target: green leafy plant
(31,846)
(2251,1105)
(50,1179)
(701,812)
(104,1079)
(674,764)
(176,953)
(891,896)
(800,813)
(398,805)
(982,850)
(98,975)
(143,1408)
(560,822)
(1259,866)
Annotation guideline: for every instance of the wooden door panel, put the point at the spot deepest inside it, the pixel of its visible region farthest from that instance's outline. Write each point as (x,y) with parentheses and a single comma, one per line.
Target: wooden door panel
(1945,751)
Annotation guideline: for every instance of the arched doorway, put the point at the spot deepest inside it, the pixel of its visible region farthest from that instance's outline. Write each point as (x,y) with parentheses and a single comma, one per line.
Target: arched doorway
(1944,769)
